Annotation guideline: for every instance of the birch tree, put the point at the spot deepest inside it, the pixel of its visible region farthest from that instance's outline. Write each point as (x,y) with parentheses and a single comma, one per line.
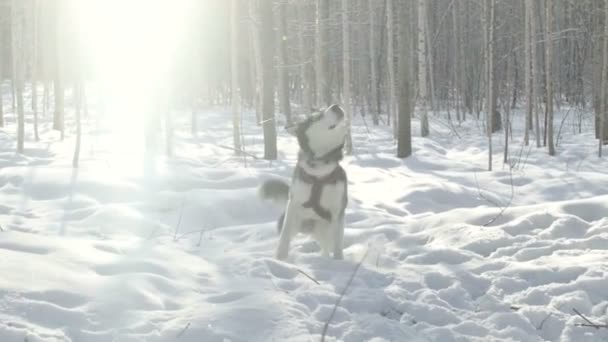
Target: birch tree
(549,74)
(527,72)
(322,87)
(267,54)
(603,114)
(390,60)
(405,70)
(490,72)
(422,68)
(283,61)
(234,69)
(346,72)
(372,62)
(18,56)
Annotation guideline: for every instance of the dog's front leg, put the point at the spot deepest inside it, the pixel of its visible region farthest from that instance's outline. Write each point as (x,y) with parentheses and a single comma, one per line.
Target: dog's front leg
(286,232)
(338,238)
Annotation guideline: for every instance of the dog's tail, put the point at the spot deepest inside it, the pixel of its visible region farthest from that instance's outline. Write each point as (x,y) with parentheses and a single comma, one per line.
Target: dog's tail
(274,190)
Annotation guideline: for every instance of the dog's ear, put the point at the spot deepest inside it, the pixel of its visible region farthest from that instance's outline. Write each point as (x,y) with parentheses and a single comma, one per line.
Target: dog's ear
(336,109)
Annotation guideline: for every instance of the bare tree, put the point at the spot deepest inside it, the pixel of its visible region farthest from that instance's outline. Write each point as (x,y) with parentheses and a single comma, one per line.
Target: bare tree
(530,8)
(549,74)
(603,114)
(490,72)
(18,54)
(35,69)
(527,72)
(390,62)
(422,68)
(405,70)
(322,86)
(346,72)
(58,88)
(267,54)
(234,68)
(372,61)
(283,61)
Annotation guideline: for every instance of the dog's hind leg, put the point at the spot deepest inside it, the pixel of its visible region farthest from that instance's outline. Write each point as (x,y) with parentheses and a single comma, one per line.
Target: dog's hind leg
(337,229)
(287,231)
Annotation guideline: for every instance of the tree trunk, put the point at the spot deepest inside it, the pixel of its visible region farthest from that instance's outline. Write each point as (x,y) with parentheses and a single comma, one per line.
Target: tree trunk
(549,74)
(348,147)
(1,81)
(234,68)
(534,69)
(405,70)
(603,114)
(257,57)
(58,90)
(390,62)
(79,94)
(372,61)
(422,69)
(321,54)
(267,54)
(490,98)
(527,72)
(35,69)
(18,48)
(306,84)
(283,61)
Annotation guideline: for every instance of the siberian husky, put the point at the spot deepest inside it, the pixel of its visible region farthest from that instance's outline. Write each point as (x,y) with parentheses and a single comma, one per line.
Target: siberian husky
(316,200)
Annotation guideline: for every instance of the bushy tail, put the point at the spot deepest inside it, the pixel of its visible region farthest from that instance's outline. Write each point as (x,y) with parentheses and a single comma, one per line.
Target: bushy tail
(274,190)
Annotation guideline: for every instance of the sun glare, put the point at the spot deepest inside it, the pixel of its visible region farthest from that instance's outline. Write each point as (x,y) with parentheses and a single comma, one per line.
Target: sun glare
(131,46)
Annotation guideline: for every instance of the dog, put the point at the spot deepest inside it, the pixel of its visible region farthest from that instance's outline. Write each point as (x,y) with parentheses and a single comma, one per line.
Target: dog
(316,201)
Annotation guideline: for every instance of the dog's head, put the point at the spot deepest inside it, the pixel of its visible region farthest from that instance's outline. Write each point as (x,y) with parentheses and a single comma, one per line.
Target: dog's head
(321,132)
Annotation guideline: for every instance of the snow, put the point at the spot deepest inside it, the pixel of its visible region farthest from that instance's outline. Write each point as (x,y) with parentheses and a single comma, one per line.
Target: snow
(93,254)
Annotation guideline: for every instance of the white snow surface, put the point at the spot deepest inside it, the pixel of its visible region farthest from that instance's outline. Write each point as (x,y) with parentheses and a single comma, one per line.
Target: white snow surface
(139,247)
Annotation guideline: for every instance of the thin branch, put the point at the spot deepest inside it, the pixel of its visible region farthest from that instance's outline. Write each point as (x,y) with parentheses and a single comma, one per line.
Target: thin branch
(309,277)
(179,221)
(183,330)
(589,323)
(240,151)
(333,312)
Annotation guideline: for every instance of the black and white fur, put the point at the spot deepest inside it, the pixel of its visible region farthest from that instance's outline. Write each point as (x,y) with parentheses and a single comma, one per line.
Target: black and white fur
(316,200)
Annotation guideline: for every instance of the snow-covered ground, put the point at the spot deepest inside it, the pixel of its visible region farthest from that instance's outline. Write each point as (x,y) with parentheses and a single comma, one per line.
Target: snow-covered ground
(130,247)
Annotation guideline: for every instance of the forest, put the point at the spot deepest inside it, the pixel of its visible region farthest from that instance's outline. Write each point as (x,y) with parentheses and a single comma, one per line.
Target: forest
(135,136)
(387,61)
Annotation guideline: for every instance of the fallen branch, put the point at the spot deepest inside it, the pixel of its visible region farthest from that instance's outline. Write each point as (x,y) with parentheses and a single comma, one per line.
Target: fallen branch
(240,151)
(183,330)
(503,208)
(309,277)
(333,312)
(179,221)
(589,323)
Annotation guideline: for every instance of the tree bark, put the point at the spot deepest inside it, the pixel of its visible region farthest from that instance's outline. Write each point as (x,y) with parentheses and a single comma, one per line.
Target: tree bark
(405,70)
(390,62)
(348,147)
(18,48)
(267,54)
(234,68)
(527,73)
(422,68)
(322,86)
(490,75)
(372,61)
(283,61)
(603,114)
(549,74)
